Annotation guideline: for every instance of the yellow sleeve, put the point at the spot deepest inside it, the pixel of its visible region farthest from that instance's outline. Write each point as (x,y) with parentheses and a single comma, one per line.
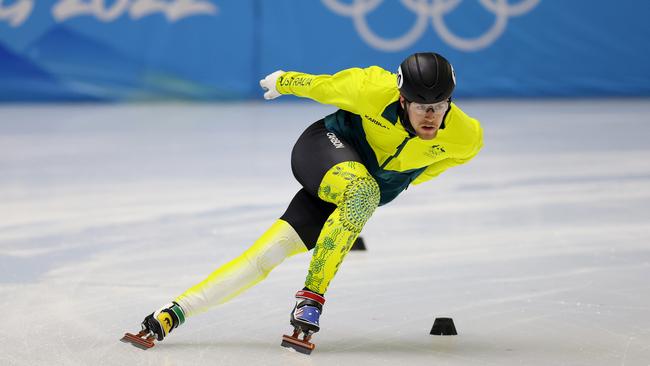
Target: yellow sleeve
(341,89)
(438,167)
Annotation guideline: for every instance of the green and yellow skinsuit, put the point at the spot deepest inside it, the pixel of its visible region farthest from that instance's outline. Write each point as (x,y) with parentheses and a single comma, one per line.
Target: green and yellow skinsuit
(392,159)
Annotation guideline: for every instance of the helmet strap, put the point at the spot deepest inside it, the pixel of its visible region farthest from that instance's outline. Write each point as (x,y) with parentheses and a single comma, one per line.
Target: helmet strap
(404,118)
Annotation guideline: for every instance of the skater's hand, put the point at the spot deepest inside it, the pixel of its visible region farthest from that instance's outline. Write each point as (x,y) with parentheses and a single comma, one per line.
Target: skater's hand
(268,84)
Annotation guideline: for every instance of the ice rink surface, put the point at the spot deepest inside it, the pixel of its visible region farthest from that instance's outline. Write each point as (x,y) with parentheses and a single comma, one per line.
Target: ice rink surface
(539,248)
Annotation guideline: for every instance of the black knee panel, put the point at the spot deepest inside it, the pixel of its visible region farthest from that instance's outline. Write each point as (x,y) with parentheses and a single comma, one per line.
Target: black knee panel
(307,215)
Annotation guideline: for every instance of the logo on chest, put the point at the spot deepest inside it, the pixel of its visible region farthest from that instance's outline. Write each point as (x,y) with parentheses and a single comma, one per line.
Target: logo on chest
(375,121)
(435,151)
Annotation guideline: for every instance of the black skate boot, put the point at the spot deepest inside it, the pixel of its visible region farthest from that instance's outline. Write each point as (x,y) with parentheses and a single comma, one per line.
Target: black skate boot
(304,319)
(157,325)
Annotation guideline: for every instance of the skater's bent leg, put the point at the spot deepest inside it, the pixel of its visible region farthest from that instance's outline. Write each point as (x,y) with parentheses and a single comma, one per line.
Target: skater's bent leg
(356,195)
(280,241)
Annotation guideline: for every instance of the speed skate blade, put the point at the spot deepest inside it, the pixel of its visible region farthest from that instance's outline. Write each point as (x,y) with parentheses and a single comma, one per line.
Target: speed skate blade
(142,340)
(299,345)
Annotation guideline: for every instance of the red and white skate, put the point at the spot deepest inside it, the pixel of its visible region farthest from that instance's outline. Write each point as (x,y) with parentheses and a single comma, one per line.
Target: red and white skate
(301,345)
(143,340)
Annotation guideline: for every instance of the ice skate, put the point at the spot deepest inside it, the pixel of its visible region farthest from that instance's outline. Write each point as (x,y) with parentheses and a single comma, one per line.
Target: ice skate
(156,326)
(304,319)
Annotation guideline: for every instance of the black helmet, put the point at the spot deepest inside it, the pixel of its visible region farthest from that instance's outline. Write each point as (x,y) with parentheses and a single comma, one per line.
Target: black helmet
(426,78)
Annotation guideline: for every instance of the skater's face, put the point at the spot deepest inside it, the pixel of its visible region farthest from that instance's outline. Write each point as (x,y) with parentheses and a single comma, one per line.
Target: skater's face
(425,118)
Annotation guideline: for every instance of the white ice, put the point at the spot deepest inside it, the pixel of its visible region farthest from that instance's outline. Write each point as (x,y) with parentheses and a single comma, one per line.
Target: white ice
(539,249)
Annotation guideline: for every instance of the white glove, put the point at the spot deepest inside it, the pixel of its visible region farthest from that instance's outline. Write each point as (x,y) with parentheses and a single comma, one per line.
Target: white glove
(268,84)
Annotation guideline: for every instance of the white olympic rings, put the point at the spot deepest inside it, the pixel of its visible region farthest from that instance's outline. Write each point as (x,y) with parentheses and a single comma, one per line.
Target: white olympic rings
(437,10)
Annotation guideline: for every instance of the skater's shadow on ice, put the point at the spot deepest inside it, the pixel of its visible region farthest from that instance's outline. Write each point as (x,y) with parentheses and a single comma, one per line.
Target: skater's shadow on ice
(322,347)
(326,346)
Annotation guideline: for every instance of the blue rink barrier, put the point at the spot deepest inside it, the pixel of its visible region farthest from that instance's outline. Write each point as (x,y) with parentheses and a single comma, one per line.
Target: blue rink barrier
(122,50)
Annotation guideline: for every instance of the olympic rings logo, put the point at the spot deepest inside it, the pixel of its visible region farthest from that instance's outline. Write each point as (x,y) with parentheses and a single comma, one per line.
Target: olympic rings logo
(437,10)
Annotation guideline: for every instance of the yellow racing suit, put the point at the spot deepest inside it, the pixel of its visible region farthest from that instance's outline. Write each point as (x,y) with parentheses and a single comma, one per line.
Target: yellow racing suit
(369,120)
(343,199)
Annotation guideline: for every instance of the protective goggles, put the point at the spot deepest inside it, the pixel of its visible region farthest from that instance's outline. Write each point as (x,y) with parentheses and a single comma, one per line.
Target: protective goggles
(436,108)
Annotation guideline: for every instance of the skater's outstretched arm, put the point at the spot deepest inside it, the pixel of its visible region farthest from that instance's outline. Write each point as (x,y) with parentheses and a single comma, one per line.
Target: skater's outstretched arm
(344,89)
